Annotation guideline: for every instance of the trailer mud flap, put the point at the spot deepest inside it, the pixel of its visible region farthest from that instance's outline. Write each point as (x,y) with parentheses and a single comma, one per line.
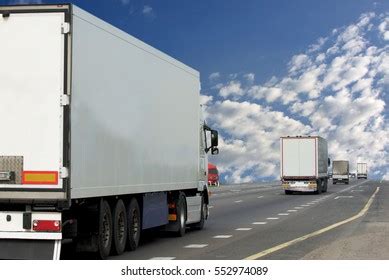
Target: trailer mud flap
(21,249)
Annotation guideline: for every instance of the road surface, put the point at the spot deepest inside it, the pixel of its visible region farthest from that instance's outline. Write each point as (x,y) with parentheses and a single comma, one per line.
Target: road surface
(261,222)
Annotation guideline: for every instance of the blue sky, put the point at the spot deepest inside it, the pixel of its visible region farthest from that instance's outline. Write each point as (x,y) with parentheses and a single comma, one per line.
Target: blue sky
(270,68)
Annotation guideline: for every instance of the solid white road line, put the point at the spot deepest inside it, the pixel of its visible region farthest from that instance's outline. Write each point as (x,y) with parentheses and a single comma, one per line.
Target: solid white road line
(272,218)
(195,246)
(243,229)
(163,258)
(222,236)
(259,223)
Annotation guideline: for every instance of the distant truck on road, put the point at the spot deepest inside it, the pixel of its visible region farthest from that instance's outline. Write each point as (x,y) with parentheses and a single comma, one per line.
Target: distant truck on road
(304,164)
(213,175)
(340,172)
(102,136)
(361,170)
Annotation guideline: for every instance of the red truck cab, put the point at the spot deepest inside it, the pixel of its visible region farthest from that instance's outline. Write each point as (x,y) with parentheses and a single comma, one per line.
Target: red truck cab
(213,175)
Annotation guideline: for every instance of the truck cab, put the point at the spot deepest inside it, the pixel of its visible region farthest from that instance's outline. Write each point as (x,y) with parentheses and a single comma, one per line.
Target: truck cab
(213,175)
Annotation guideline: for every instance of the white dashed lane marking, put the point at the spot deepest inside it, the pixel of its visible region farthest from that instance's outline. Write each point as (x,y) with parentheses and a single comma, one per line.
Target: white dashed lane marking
(272,218)
(260,196)
(292,210)
(222,236)
(259,223)
(238,201)
(210,207)
(243,229)
(298,207)
(283,214)
(195,246)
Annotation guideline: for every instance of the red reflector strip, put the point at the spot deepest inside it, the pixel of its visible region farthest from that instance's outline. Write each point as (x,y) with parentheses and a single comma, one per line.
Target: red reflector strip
(46,225)
(40,178)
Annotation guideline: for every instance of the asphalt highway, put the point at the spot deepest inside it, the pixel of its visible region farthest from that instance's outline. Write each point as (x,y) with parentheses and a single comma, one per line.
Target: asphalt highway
(261,222)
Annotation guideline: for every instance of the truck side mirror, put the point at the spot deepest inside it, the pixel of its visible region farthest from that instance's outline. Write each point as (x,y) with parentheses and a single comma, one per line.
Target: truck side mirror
(214,151)
(214,138)
(329,161)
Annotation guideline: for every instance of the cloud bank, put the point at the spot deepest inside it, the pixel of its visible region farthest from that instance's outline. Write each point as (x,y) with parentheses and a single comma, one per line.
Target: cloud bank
(337,89)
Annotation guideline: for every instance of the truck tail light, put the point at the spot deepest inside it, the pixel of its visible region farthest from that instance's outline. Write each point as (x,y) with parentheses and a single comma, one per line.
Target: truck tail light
(46,225)
(40,178)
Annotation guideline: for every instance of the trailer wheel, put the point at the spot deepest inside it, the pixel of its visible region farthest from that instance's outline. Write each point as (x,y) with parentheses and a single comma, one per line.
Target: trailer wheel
(105,230)
(181,216)
(319,184)
(134,224)
(119,228)
(204,210)
(288,192)
(325,186)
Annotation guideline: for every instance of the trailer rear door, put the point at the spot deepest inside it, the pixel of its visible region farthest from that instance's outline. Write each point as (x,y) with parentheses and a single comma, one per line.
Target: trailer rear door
(298,157)
(32,85)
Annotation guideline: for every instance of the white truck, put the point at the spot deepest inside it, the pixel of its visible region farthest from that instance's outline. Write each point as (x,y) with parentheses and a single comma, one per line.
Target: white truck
(304,164)
(340,172)
(102,136)
(361,170)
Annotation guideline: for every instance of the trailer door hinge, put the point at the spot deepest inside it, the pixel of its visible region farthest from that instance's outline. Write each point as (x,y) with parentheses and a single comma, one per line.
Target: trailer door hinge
(65,28)
(65,100)
(64,172)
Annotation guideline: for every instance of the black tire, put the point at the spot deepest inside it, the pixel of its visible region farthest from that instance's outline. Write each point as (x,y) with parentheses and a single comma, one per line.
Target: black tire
(105,230)
(119,228)
(181,215)
(287,192)
(325,186)
(204,210)
(133,225)
(319,187)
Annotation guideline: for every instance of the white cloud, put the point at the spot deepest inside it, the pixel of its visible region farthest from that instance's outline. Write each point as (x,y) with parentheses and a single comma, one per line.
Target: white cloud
(233,88)
(125,2)
(205,99)
(384,29)
(337,89)
(147,10)
(298,62)
(214,76)
(250,77)
(253,138)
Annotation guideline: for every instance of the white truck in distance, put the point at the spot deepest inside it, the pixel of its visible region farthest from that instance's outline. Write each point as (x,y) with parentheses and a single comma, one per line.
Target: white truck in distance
(340,172)
(102,136)
(304,164)
(361,170)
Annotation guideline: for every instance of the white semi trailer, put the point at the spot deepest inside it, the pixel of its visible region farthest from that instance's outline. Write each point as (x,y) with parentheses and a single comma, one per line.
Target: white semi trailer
(340,172)
(101,136)
(361,170)
(304,164)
